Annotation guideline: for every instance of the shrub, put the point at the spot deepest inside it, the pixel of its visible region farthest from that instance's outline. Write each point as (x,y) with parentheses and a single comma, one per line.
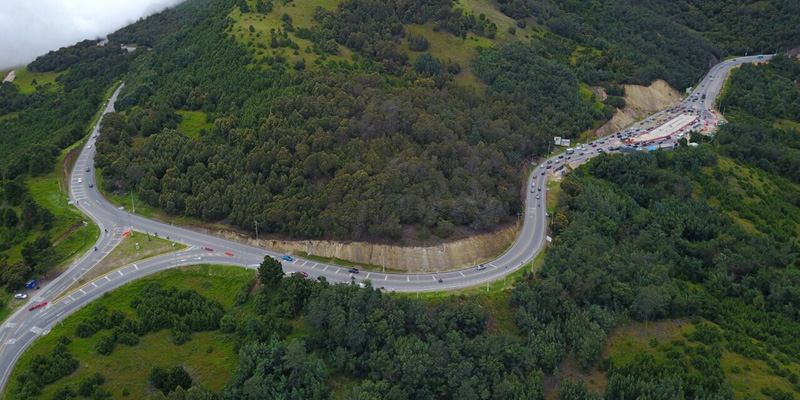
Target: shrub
(227,324)
(105,345)
(418,43)
(89,385)
(167,381)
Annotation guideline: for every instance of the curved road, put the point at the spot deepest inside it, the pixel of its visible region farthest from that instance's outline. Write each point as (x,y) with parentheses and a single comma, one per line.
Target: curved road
(24,326)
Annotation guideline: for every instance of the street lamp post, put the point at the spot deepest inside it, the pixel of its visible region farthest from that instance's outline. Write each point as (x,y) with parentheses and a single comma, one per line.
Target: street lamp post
(256,223)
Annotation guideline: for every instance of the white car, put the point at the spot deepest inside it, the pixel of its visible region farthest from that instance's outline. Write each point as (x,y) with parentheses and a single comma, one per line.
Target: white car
(20,296)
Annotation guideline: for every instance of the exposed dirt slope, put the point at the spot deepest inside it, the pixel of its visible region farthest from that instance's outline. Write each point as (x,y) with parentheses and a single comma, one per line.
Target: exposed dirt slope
(447,256)
(640,102)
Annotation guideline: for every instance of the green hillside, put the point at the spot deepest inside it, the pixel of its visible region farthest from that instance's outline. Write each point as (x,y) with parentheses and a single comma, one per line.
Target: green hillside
(670,274)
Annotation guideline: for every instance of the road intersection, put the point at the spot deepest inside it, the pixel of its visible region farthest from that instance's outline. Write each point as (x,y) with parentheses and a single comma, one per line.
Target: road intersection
(23,326)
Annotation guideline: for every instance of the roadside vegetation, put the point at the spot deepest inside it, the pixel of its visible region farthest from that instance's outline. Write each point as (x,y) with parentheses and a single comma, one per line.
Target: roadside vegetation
(370,130)
(125,363)
(40,230)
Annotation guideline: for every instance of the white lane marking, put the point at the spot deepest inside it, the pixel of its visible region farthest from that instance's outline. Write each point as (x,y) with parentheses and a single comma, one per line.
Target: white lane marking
(408,279)
(94,284)
(462,274)
(315,266)
(304,264)
(367,275)
(136,266)
(11,341)
(433,277)
(385,277)
(492,265)
(338,270)
(36,330)
(326,268)
(183,259)
(82,291)
(108,279)
(120,272)
(9,325)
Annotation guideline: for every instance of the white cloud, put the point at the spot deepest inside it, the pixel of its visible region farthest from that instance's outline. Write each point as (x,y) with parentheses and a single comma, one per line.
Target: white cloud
(30,28)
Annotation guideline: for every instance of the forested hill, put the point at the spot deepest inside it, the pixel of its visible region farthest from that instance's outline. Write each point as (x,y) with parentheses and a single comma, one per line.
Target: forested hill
(373,120)
(671,275)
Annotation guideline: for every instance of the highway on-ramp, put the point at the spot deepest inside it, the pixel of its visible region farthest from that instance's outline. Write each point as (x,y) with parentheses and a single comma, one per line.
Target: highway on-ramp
(23,326)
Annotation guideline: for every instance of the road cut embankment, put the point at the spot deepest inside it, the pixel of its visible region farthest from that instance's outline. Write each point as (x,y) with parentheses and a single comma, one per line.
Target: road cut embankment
(453,255)
(640,101)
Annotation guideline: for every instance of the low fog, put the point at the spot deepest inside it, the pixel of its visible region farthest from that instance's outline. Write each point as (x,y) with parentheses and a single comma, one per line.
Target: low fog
(31,28)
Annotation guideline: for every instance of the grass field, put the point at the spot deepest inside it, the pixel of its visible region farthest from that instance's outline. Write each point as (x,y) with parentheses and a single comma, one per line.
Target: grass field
(258,40)
(192,122)
(554,192)
(447,48)
(128,367)
(590,97)
(783,124)
(752,197)
(637,338)
(10,115)
(24,79)
(491,10)
(443,45)
(126,253)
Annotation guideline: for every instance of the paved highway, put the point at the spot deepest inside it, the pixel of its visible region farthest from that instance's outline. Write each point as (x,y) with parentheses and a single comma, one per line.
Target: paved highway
(24,326)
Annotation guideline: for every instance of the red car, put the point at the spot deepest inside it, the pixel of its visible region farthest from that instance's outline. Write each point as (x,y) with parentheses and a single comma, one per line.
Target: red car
(303,274)
(208,248)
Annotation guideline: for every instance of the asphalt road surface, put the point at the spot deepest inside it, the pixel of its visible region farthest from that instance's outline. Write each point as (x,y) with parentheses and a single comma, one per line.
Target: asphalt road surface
(23,326)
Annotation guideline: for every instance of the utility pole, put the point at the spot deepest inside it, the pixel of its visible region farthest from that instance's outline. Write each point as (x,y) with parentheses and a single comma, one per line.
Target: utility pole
(256,222)
(133,207)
